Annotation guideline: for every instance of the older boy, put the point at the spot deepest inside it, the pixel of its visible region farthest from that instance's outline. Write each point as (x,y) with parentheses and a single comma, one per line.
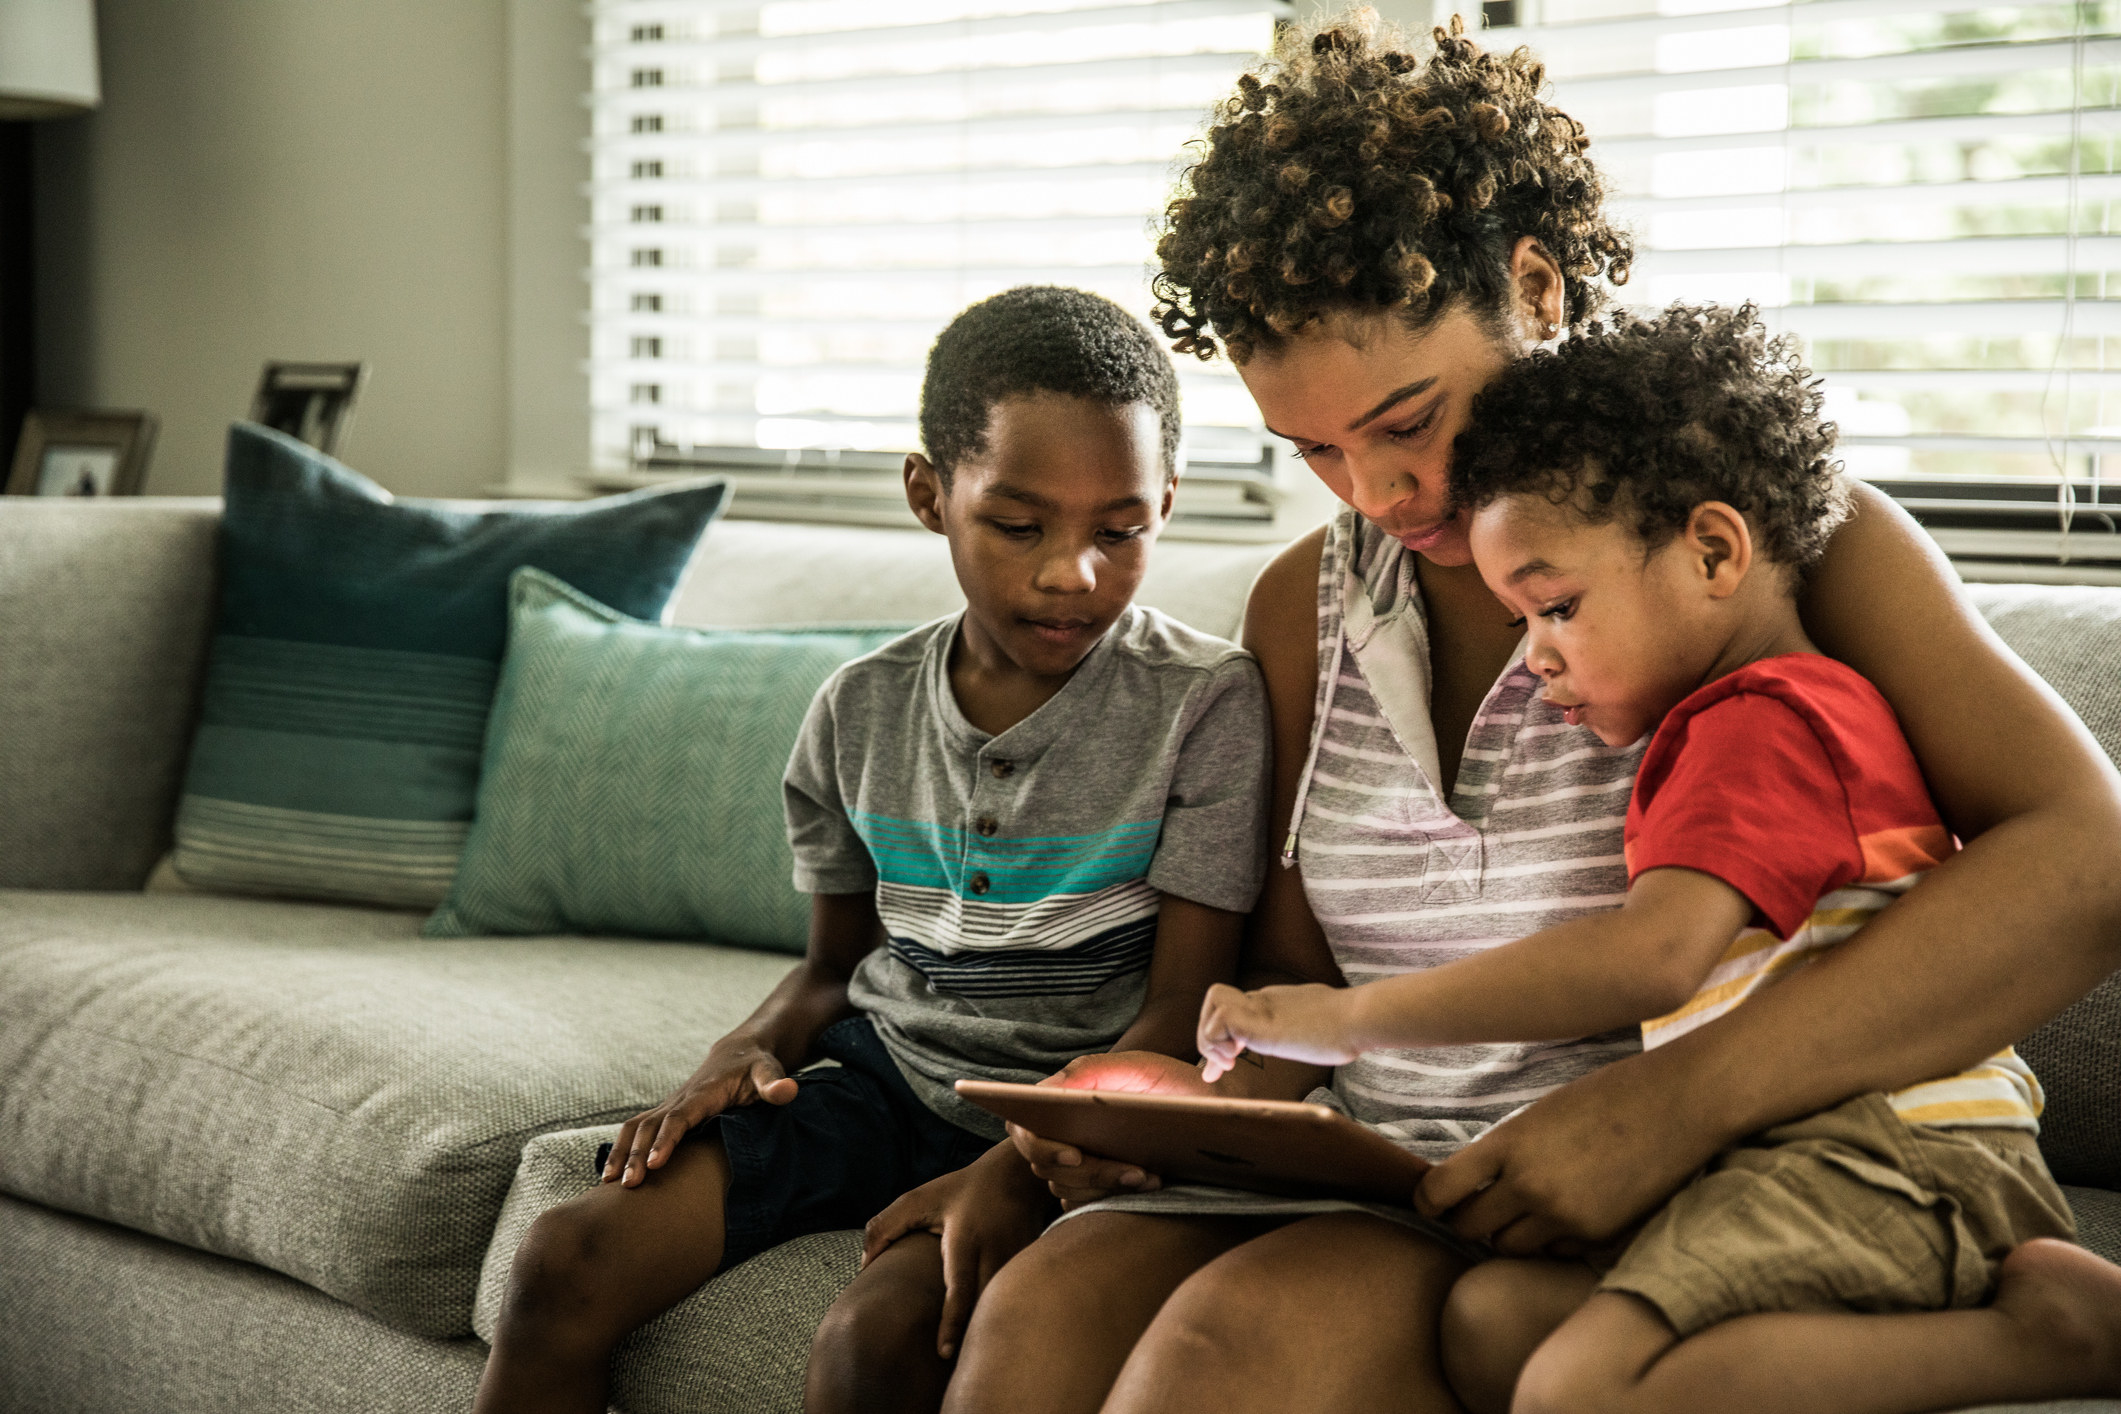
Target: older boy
(1648,499)
(1030,831)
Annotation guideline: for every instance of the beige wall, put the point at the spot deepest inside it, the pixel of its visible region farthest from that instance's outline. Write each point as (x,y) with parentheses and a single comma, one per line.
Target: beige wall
(331,181)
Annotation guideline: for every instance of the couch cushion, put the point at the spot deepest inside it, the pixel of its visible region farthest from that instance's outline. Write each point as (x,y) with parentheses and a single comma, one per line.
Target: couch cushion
(319,1089)
(2071,635)
(632,776)
(354,659)
(739,1344)
(104,603)
(96,1319)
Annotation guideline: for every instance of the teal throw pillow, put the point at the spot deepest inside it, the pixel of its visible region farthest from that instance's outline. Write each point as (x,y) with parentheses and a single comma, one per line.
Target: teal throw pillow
(633,776)
(354,660)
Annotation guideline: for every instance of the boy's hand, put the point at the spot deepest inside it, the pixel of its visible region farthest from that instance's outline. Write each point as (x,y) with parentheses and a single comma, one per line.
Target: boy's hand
(985,1213)
(738,1071)
(1310,1023)
(1076,1177)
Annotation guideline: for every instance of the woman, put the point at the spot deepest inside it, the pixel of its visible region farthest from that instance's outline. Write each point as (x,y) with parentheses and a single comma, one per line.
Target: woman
(1371,236)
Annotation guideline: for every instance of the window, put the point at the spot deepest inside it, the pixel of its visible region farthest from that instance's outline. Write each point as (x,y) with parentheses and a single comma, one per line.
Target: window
(1922,190)
(833,179)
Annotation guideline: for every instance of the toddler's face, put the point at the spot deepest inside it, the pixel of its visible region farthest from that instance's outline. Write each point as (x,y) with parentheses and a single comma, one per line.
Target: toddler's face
(1050,526)
(1619,635)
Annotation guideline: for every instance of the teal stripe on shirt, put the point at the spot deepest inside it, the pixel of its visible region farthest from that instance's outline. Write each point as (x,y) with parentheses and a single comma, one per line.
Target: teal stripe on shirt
(922,854)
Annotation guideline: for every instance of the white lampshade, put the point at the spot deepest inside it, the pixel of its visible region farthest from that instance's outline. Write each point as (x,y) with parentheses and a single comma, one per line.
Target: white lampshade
(47,58)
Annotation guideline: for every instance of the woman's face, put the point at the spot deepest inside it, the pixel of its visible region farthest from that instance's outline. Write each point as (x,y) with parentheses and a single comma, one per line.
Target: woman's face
(1374,408)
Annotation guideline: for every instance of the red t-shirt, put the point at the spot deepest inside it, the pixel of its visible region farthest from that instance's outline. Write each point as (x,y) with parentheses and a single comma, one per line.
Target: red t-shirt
(1787,779)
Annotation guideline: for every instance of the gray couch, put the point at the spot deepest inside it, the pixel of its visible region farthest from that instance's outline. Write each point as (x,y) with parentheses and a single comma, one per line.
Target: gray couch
(266,1153)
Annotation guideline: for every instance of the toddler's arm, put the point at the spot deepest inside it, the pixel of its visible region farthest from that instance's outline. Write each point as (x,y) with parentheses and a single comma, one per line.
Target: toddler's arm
(1640,961)
(752,1062)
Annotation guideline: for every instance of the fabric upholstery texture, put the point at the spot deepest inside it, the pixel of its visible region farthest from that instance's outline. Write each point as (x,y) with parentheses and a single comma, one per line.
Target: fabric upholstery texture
(741,1342)
(95,1319)
(632,777)
(2071,636)
(318,1089)
(354,658)
(104,607)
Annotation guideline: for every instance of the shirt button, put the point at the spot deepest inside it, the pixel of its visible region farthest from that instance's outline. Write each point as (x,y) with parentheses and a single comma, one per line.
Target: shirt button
(1003,770)
(979,883)
(987,826)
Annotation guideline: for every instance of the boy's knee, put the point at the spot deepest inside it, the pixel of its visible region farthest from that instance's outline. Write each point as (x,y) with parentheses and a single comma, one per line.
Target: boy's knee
(552,1281)
(878,1330)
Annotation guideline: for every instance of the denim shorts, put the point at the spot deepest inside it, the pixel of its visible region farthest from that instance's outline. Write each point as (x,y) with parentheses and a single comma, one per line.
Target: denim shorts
(853,1139)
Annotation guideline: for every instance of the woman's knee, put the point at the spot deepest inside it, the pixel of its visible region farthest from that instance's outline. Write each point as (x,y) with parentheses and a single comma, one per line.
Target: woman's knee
(1568,1376)
(1496,1315)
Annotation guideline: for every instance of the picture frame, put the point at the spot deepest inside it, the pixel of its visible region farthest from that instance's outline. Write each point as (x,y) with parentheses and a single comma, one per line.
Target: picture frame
(311,402)
(84,452)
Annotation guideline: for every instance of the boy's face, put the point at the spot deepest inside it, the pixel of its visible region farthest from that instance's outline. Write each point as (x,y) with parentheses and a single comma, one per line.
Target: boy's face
(1619,636)
(1050,526)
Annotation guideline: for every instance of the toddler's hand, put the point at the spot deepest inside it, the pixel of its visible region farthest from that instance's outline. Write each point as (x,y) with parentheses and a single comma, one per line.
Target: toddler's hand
(736,1072)
(1307,1023)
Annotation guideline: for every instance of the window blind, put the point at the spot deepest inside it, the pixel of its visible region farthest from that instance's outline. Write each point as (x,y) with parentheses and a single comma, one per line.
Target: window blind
(791,198)
(1923,191)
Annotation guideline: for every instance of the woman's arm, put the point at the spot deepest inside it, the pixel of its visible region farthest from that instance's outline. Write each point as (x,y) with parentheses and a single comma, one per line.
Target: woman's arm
(2006,933)
(1283,942)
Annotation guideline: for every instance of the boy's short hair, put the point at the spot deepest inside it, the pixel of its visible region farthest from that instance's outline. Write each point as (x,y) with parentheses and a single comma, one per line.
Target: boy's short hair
(1649,417)
(1040,339)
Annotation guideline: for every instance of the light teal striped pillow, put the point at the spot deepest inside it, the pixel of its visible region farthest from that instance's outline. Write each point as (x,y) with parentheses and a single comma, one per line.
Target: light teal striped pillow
(632,777)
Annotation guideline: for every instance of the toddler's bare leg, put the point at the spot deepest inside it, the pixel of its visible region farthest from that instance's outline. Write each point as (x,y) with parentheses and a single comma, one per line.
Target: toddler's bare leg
(875,1351)
(2054,1331)
(591,1270)
(1496,1316)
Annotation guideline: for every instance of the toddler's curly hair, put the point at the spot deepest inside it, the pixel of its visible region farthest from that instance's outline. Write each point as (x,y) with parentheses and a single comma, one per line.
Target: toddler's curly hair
(1646,418)
(1349,172)
(1040,339)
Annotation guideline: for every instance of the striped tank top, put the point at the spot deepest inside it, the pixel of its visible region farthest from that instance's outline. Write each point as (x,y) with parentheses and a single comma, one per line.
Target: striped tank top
(1401,878)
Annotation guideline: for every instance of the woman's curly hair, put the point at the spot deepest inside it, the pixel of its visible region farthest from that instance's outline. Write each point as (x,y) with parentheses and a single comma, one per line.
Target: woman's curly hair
(1347,171)
(1649,417)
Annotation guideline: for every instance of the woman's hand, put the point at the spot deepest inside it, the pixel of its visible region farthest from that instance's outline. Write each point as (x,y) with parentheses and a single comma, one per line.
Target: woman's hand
(738,1071)
(1585,1162)
(985,1213)
(1309,1023)
(1076,1177)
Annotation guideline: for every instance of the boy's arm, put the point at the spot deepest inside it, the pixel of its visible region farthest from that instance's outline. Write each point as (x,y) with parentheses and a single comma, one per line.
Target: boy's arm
(751,1063)
(1196,947)
(1578,978)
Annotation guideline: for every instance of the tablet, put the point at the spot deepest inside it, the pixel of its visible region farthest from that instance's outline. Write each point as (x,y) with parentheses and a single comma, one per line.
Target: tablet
(1269,1146)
